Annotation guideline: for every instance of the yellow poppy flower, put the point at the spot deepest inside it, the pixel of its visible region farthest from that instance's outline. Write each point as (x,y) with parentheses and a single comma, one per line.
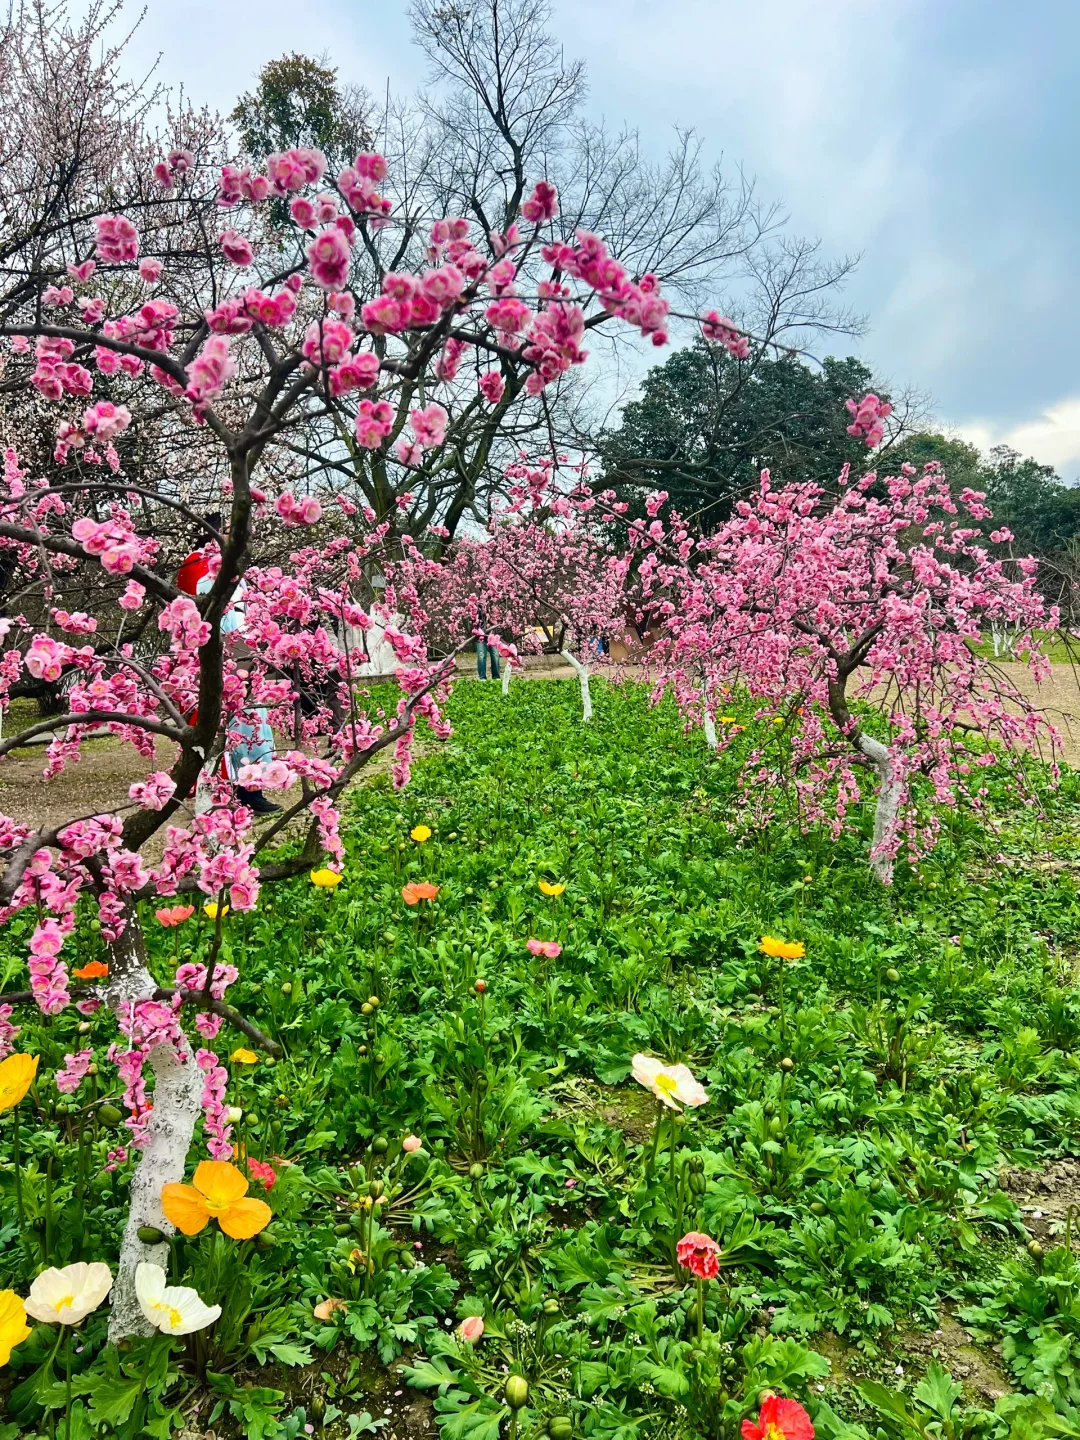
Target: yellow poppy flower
(782,949)
(546,888)
(13,1327)
(777,719)
(216,1193)
(326,879)
(244,1057)
(420,833)
(16,1075)
(211,909)
(727,719)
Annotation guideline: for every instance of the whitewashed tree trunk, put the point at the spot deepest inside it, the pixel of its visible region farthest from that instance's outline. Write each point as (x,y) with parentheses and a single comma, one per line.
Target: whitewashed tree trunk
(709,719)
(506,672)
(890,789)
(178,1086)
(583,681)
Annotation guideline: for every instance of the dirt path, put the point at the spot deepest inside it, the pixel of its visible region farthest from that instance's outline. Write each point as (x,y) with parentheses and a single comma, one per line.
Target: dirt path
(101,778)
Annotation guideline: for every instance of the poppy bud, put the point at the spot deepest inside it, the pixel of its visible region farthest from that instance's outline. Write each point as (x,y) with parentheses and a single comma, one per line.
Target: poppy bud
(480,986)
(362,1050)
(698,1183)
(110,1115)
(560,1427)
(367,1009)
(92,1069)
(817,1207)
(150,1235)
(787,1063)
(373,1001)
(318,1408)
(286,988)
(1035,1250)
(234,1114)
(517,1391)
(266,1239)
(84,1026)
(551,1306)
(482,1082)
(380,1059)
(375,1189)
(476,1171)
(380,1145)
(892,975)
(389,936)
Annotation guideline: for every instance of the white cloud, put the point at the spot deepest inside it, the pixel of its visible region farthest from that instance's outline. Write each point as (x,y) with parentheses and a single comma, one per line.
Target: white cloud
(1052,438)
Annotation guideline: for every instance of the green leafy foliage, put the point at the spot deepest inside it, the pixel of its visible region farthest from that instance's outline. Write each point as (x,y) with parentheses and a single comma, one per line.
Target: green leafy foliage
(862,1102)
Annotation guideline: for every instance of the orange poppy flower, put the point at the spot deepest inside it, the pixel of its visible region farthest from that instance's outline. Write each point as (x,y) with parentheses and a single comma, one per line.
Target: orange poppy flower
(95,970)
(216,1193)
(418,890)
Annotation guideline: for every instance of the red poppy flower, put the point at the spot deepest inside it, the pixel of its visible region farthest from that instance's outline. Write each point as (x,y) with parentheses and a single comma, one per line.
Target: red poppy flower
(419,890)
(700,1254)
(779,1419)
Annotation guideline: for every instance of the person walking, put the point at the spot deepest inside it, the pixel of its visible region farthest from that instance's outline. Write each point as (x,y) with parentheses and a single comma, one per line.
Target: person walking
(484,652)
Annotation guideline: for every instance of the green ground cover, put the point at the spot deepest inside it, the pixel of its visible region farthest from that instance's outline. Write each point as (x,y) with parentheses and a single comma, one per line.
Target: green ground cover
(870,1108)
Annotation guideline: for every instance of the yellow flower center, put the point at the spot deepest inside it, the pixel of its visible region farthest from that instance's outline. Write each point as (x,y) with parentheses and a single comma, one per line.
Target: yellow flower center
(172,1316)
(667,1083)
(67,1300)
(217,1207)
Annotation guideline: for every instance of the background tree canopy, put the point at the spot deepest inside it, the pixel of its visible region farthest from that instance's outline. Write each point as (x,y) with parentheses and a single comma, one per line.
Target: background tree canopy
(705,427)
(298,102)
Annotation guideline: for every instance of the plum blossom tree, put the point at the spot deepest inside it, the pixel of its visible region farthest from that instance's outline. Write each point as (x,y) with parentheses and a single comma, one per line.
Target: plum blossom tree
(541,569)
(854,620)
(193,315)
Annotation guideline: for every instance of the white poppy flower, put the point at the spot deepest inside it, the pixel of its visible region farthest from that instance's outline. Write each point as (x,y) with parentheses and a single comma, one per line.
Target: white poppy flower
(673,1085)
(64,1297)
(172,1309)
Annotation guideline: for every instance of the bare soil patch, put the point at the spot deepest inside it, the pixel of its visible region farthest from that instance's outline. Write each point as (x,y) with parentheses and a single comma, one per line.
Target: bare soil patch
(1045,1196)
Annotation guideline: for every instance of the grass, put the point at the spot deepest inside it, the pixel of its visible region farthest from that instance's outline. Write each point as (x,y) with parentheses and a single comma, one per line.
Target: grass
(847,1159)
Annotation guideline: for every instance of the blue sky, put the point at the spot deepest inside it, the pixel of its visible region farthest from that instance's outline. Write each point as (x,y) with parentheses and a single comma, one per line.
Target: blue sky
(936,137)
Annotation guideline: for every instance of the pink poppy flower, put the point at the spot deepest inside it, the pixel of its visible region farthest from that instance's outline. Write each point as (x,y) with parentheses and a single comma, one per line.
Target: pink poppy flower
(550,948)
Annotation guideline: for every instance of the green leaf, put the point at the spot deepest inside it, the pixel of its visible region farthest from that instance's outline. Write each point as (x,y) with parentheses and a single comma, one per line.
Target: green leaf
(289,1354)
(938,1390)
(431,1373)
(111,1401)
(479,1420)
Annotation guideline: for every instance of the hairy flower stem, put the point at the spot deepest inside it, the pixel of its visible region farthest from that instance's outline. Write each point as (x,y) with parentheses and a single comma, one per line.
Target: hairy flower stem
(651,1161)
(69,1356)
(18,1175)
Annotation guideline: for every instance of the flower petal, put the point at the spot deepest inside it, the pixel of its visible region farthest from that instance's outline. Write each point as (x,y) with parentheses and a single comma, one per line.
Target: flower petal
(245,1219)
(13,1326)
(220,1182)
(185,1208)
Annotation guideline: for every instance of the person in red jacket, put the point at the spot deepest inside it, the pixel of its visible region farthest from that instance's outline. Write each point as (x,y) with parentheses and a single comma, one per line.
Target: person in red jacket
(257,745)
